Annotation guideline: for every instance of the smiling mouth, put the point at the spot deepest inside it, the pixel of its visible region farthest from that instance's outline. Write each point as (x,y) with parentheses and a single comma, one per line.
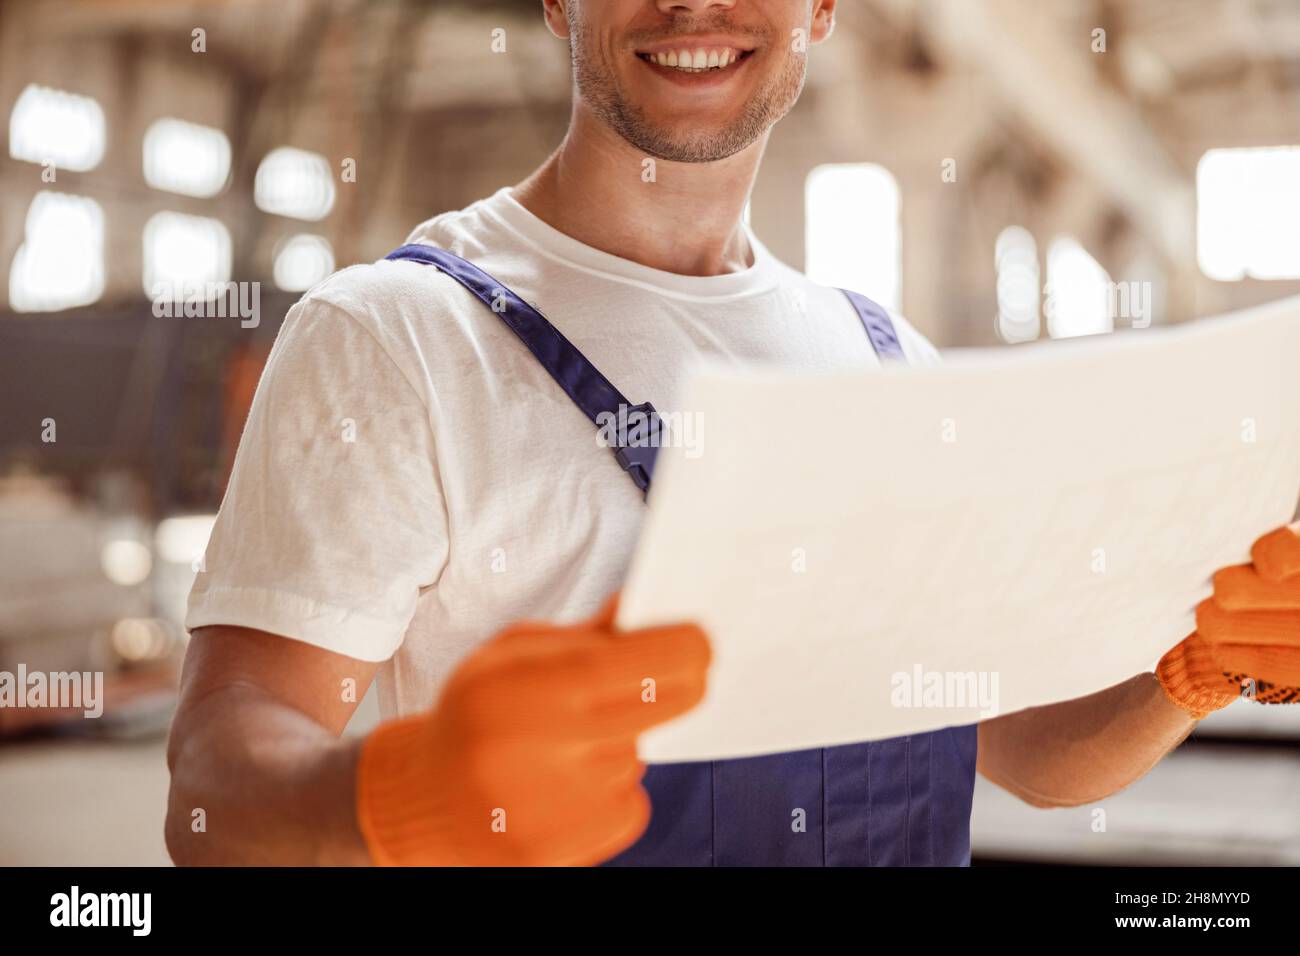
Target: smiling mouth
(697,59)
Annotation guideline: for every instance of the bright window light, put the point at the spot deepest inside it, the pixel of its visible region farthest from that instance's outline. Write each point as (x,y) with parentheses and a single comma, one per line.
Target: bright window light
(126,562)
(52,126)
(183,539)
(186,158)
(853,237)
(303,261)
(140,638)
(294,183)
(182,253)
(1248,213)
(1078,292)
(1016,260)
(60,263)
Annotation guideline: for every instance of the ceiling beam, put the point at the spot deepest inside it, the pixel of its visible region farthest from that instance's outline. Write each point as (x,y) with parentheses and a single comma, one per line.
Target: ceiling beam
(1047,82)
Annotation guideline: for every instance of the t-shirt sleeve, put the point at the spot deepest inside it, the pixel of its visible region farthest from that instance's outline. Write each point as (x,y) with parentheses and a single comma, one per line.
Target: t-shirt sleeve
(333,519)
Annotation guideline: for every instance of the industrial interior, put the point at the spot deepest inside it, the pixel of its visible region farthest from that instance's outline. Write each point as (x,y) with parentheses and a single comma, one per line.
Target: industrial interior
(957,160)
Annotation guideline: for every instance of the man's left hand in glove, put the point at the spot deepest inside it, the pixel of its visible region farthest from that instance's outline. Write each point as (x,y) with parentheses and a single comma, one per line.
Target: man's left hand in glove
(1247,637)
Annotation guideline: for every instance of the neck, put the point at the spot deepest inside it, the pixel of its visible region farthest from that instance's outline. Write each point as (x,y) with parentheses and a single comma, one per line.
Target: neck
(688,220)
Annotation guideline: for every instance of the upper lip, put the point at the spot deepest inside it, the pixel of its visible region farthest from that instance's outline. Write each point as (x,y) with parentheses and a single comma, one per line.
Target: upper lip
(702,41)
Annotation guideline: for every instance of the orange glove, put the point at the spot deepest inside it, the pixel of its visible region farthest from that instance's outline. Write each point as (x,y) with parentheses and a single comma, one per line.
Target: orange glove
(1249,631)
(529,757)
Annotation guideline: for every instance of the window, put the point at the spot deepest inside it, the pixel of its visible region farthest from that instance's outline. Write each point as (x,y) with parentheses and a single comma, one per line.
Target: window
(183,254)
(1248,213)
(294,183)
(1016,260)
(186,158)
(853,235)
(52,126)
(303,261)
(60,263)
(183,539)
(1078,292)
(126,561)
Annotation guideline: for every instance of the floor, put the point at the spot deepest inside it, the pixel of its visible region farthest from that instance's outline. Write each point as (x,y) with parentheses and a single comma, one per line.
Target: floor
(97,803)
(83,803)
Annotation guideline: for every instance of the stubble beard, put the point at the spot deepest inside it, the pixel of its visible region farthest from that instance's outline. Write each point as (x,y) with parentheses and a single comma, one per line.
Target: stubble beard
(600,90)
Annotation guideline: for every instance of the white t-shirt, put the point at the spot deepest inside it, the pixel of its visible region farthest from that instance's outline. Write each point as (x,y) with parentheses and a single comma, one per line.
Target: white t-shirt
(411,479)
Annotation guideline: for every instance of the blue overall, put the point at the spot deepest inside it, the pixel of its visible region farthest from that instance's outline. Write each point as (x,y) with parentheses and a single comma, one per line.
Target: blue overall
(899,802)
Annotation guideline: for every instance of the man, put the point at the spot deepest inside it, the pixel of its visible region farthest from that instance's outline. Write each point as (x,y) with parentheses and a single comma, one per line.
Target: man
(420,472)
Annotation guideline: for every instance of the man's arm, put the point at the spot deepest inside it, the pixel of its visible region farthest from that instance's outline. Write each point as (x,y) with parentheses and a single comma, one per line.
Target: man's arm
(1246,640)
(255,745)
(1082,750)
(539,722)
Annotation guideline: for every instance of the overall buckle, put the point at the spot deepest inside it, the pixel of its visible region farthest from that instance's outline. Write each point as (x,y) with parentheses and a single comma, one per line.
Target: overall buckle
(639,444)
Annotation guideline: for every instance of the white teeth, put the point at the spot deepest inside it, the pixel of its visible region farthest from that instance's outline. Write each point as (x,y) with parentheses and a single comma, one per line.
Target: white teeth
(696,60)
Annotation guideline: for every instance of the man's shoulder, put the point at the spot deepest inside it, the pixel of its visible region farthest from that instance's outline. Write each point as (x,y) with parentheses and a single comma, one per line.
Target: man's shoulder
(386,295)
(376,287)
(918,349)
(388,290)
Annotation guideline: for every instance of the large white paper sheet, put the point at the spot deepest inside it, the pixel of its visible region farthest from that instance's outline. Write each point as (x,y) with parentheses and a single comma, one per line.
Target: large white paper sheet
(877,554)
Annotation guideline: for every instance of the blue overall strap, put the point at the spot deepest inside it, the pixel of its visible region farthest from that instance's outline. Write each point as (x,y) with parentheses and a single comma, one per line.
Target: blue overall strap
(637,444)
(591,391)
(879,326)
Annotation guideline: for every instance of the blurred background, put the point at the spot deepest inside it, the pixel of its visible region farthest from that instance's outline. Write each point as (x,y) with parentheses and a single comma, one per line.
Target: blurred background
(952,158)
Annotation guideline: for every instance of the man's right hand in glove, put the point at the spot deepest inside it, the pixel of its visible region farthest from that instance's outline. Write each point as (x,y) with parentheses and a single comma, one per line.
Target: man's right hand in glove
(529,756)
